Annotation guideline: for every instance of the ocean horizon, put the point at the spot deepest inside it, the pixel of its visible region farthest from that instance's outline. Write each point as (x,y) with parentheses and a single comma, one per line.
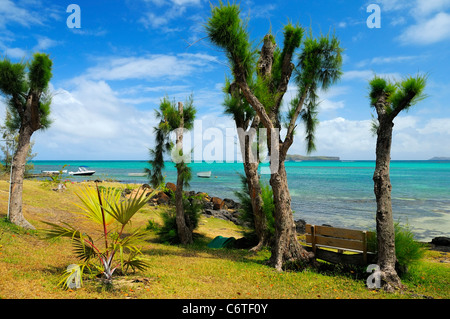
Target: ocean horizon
(337,193)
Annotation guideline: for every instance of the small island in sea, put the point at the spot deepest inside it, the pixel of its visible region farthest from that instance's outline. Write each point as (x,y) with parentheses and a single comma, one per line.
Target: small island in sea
(439,158)
(295,157)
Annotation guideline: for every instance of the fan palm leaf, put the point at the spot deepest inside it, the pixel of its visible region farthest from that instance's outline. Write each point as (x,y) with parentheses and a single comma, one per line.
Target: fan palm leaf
(91,205)
(123,211)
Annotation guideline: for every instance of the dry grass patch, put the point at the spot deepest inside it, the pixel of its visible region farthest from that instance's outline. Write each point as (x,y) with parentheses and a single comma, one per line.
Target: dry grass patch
(30,266)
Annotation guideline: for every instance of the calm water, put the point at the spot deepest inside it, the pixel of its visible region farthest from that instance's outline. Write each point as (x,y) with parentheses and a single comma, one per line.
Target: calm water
(339,193)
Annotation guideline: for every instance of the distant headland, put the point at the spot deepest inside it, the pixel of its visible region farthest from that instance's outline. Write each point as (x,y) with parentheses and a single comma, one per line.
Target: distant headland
(295,157)
(437,158)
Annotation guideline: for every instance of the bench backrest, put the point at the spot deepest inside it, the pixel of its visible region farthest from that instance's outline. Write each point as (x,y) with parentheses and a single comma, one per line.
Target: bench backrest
(340,238)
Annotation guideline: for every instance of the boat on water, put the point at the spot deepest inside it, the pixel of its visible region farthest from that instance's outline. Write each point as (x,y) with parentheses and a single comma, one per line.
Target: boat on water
(204,174)
(53,172)
(82,171)
(137,174)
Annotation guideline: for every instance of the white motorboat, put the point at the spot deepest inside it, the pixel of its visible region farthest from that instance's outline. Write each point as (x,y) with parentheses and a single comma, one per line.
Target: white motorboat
(82,171)
(204,174)
(54,172)
(137,174)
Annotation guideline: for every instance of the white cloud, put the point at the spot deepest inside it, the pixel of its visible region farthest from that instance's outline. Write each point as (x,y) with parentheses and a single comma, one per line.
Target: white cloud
(327,98)
(394,5)
(155,66)
(14,53)
(91,122)
(45,43)
(366,75)
(413,138)
(11,13)
(429,31)
(348,139)
(427,7)
(155,21)
(186,2)
(398,21)
(392,59)
(405,122)
(162,19)
(439,126)
(432,22)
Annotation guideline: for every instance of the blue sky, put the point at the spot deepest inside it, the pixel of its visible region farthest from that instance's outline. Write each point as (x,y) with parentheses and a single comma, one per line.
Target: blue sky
(110,74)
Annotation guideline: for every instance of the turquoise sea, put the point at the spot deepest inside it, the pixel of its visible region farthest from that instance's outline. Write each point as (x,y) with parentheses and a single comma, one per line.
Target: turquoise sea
(338,193)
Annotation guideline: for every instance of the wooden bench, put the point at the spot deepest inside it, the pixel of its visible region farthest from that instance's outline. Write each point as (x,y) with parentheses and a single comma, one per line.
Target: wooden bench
(340,239)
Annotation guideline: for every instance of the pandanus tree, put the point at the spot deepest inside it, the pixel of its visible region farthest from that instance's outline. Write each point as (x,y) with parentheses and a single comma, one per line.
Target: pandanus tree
(25,85)
(174,118)
(318,66)
(389,99)
(247,125)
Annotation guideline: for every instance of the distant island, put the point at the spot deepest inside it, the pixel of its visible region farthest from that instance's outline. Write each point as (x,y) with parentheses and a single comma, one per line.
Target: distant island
(294,157)
(439,159)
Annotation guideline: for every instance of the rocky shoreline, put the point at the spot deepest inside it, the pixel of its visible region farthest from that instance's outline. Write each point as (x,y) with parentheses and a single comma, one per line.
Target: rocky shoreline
(229,210)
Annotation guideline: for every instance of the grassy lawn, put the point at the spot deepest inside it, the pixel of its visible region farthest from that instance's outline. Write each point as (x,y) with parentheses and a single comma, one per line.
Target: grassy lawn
(30,266)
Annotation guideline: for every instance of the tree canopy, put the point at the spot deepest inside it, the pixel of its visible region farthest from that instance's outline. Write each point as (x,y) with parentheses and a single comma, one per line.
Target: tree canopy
(17,85)
(169,120)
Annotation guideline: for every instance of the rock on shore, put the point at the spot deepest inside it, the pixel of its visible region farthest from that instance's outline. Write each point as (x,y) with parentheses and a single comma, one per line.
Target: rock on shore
(226,209)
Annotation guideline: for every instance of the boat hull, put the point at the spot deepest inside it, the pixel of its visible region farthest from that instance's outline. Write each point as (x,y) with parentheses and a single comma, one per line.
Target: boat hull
(204,174)
(83,174)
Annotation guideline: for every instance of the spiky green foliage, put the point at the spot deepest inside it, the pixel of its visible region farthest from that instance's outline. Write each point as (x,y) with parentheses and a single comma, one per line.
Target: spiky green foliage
(19,80)
(408,250)
(236,105)
(246,210)
(12,78)
(168,233)
(92,203)
(169,120)
(228,31)
(293,36)
(319,67)
(378,87)
(398,96)
(104,206)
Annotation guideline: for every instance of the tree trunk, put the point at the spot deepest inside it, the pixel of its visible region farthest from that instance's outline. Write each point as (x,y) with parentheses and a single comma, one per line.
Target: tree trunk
(384,218)
(17,176)
(184,233)
(251,171)
(251,163)
(286,247)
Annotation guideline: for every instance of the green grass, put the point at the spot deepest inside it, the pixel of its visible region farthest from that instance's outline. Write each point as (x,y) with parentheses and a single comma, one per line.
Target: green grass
(30,266)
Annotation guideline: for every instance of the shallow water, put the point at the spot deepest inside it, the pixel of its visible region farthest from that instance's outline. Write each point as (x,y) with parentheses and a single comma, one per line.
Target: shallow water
(339,193)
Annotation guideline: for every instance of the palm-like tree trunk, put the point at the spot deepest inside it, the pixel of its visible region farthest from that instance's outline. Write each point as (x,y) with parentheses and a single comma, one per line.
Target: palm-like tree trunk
(184,233)
(251,172)
(286,246)
(251,164)
(384,218)
(17,177)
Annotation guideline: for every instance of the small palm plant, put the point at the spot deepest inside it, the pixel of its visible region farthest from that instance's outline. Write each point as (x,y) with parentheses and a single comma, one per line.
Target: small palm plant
(104,207)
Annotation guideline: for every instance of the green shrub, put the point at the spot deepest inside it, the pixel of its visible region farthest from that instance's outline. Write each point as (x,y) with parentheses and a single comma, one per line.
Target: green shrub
(246,209)
(168,233)
(407,250)
(268,207)
(151,225)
